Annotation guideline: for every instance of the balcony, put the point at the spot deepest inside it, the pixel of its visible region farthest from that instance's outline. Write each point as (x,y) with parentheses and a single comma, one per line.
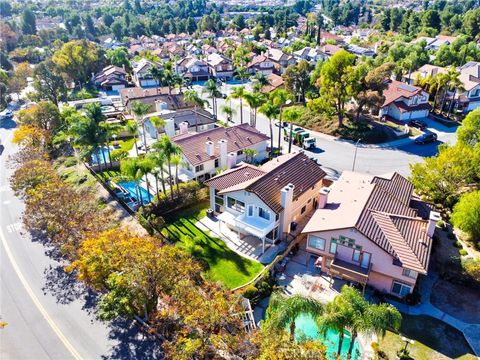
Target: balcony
(349,271)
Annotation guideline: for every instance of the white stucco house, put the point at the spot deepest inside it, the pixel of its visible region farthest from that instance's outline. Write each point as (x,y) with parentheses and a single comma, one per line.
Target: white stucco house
(404,102)
(141,73)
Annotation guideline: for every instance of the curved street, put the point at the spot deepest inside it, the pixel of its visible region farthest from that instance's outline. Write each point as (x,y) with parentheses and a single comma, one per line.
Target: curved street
(49,315)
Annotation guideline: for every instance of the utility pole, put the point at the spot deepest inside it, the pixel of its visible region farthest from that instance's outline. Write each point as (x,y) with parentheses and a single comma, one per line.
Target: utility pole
(355,154)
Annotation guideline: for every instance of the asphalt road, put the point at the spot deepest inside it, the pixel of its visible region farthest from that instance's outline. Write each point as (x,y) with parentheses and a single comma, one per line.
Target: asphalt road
(336,155)
(49,314)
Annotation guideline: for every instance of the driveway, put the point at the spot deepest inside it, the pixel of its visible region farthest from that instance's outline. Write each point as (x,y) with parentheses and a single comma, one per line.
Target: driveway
(336,155)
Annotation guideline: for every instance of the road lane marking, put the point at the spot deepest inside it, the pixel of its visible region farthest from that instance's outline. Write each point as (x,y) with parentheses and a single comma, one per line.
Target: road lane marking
(14,227)
(6,202)
(35,300)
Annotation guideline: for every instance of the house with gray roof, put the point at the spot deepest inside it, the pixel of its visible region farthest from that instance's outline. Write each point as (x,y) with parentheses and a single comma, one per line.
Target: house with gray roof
(372,230)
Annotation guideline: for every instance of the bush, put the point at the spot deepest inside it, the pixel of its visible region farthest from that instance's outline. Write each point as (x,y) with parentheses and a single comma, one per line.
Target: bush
(442,225)
(472,268)
(458,244)
(379,353)
(119,154)
(463,252)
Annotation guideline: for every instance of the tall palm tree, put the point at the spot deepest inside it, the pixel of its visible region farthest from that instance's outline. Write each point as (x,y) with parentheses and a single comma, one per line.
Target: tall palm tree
(280,98)
(228,111)
(170,149)
(282,311)
(132,128)
(139,110)
(455,84)
(157,122)
(159,159)
(146,166)
(192,97)
(211,88)
(169,80)
(176,161)
(271,111)
(254,101)
(239,93)
(260,80)
(86,135)
(94,112)
(111,130)
(250,154)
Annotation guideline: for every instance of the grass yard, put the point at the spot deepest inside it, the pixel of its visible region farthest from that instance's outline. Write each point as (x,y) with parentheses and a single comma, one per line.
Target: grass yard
(224,265)
(433,340)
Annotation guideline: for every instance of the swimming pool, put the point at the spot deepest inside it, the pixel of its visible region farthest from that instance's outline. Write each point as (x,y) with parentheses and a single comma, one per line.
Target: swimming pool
(307,327)
(130,187)
(103,153)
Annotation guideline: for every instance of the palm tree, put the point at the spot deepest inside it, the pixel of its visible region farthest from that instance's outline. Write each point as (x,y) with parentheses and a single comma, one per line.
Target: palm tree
(282,311)
(192,97)
(228,111)
(270,110)
(157,74)
(176,161)
(260,80)
(159,159)
(146,166)
(132,128)
(94,112)
(457,85)
(254,101)
(239,93)
(211,88)
(169,80)
(131,169)
(250,154)
(139,110)
(157,122)
(291,115)
(280,98)
(111,130)
(170,149)
(87,135)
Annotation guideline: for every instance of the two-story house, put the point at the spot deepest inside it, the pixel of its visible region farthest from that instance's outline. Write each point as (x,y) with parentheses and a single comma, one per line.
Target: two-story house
(372,230)
(404,102)
(111,78)
(280,59)
(141,73)
(220,66)
(192,68)
(262,64)
(267,201)
(312,55)
(212,150)
(469,98)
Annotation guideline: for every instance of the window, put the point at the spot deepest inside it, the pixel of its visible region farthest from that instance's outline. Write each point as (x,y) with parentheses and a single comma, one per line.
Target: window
(401,289)
(251,209)
(264,214)
(414,100)
(410,273)
(333,246)
(356,255)
(316,242)
(304,208)
(217,163)
(199,168)
(475,93)
(235,204)
(365,260)
(239,152)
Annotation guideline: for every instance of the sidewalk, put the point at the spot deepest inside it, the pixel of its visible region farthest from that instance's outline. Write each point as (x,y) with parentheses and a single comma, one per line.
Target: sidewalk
(471,332)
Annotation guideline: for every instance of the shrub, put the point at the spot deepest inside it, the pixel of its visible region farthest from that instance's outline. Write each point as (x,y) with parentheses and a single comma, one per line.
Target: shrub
(379,353)
(472,268)
(119,154)
(458,244)
(463,252)
(441,224)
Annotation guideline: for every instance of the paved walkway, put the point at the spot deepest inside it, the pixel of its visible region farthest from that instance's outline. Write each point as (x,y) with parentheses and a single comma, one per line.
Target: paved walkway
(470,331)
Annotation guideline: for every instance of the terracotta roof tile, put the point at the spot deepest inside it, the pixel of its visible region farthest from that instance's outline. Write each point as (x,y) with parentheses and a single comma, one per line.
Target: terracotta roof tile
(235,176)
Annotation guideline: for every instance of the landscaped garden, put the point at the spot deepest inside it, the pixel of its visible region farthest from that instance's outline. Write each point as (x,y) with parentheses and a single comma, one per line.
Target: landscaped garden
(223,264)
(433,339)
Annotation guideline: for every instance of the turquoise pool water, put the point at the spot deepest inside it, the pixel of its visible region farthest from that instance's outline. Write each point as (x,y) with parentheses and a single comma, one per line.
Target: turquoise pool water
(306,327)
(103,154)
(130,187)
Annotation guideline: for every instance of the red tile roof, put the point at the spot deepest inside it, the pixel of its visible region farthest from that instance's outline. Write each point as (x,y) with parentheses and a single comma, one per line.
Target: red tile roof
(235,176)
(397,89)
(238,137)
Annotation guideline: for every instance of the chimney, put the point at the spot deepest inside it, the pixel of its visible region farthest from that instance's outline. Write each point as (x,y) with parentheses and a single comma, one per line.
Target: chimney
(231,160)
(183,127)
(209,148)
(323,200)
(223,153)
(286,199)
(160,105)
(432,222)
(169,127)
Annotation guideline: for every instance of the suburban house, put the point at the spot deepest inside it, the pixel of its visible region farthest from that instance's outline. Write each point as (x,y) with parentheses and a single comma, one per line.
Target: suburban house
(372,230)
(111,78)
(267,202)
(436,42)
(179,122)
(280,59)
(212,150)
(158,98)
(312,55)
(220,66)
(274,82)
(329,50)
(192,68)
(141,73)
(360,51)
(424,72)
(468,99)
(404,102)
(262,64)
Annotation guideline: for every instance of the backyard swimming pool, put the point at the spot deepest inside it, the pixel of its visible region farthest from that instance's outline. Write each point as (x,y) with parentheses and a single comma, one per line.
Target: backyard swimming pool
(307,327)
(130,187)
(103,154)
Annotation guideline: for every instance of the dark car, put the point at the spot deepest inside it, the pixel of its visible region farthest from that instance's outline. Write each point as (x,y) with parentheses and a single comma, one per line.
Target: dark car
(224,96)
(426,138)
(419,124)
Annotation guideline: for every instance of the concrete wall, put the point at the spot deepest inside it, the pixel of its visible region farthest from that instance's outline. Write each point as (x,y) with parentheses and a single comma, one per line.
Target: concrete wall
(382,272)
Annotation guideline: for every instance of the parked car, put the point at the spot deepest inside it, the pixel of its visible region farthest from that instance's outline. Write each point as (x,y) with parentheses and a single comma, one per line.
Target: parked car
(6,114)
(426,138)
(419,124)
(224,96)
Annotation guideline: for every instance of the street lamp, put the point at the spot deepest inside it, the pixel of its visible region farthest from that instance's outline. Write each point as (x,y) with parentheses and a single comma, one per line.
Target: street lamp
(355,154)
(407,341)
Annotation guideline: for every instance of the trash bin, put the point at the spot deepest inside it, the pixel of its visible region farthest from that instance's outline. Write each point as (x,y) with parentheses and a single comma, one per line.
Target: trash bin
(210,213)
(293,226)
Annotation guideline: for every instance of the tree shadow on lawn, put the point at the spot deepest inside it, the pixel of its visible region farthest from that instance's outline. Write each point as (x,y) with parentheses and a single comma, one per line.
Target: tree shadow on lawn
(435,334)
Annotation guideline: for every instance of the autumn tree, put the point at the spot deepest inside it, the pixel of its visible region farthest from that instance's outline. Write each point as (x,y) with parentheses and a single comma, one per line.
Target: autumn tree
(44,115)
(78,59)
(338,82)
(18,81)
(48,83)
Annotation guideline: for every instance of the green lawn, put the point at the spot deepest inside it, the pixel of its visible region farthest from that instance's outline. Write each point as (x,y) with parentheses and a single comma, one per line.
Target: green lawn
(224,265)
(126,145)
(433,340)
